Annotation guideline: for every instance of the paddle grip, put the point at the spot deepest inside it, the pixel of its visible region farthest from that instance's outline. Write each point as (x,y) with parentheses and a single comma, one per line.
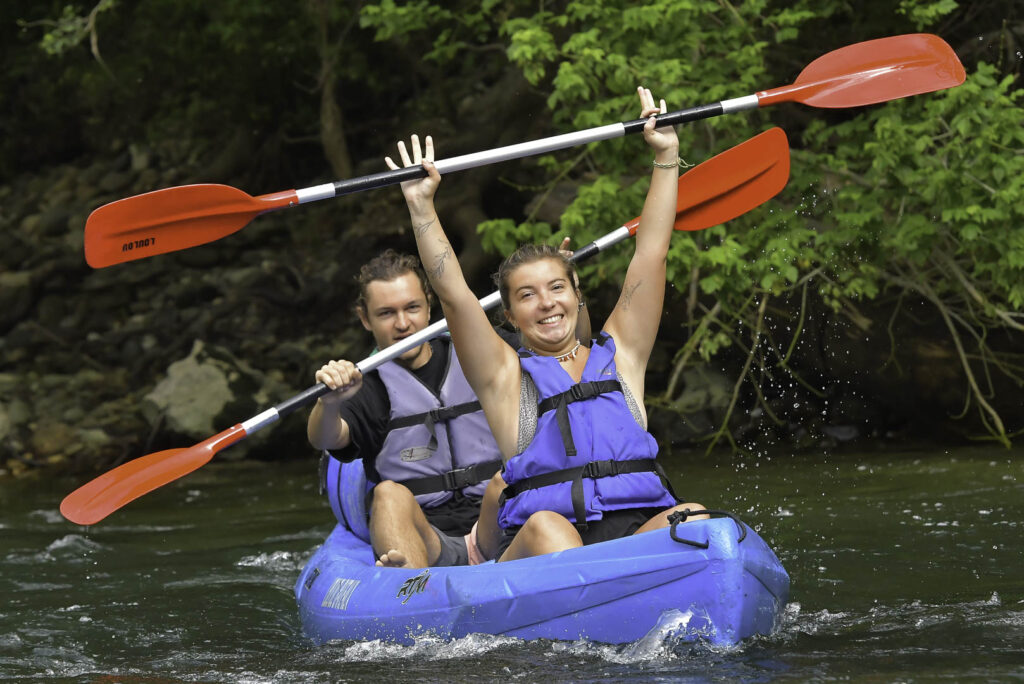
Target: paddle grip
(306,396)
(585,252)
(678,117)
(378,180)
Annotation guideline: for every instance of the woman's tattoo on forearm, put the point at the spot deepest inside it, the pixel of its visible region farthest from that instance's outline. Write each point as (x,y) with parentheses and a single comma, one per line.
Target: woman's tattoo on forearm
(440,258)
(627,294)
(420,229)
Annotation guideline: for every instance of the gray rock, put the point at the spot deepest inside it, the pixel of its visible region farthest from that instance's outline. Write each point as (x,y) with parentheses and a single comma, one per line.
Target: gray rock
(140,156)
(29,224)
(115,180)
(54,221)
(16,296)
(18,413)
(703,389)
(51,438)
(195,391)
(208,391)
(5,422)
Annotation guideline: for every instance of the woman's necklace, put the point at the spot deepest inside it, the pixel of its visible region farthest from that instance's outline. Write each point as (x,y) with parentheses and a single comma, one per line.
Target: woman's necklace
(568,356)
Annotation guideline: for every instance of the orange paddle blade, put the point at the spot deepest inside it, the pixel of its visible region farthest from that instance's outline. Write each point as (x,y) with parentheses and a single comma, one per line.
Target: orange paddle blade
(100,497)
(172,219)
(734,182)
(731,183)
(873,71)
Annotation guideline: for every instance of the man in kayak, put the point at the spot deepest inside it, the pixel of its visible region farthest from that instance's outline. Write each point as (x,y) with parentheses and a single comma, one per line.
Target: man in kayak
(414,421)
(569,419)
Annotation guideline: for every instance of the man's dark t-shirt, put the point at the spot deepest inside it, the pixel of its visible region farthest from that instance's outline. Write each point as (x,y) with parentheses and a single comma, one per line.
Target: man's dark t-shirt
(368,414)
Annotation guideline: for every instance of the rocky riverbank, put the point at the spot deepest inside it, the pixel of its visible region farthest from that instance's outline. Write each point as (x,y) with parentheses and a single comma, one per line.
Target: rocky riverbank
(101,366)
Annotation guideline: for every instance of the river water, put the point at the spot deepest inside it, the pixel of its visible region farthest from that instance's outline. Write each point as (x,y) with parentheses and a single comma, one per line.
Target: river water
(905,566)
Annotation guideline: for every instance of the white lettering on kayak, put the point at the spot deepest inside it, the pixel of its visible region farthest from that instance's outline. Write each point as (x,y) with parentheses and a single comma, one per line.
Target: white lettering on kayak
(338,595)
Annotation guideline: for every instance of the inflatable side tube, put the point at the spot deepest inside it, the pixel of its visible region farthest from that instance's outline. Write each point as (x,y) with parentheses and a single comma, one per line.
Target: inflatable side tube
(346,491)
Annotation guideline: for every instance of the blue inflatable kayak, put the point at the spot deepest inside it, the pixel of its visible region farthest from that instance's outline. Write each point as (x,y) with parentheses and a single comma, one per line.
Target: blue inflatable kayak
(718,576)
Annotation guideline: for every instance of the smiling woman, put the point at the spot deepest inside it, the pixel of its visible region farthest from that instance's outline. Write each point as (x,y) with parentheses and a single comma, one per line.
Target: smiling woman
(569,420)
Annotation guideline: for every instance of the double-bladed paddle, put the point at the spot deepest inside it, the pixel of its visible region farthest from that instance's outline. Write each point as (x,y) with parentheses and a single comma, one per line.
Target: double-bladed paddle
(178,218)
(720,189)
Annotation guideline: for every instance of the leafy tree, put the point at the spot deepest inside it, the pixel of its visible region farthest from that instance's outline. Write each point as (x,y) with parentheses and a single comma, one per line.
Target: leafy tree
(913,200)
(918,196)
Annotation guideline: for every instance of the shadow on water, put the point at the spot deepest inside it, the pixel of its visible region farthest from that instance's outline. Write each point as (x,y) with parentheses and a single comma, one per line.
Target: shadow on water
(905,566)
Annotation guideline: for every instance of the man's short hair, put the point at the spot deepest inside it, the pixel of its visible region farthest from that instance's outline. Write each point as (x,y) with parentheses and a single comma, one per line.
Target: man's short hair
(389,265)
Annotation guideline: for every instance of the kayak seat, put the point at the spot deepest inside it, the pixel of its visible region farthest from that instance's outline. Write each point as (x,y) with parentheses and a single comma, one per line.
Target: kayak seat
(347,488)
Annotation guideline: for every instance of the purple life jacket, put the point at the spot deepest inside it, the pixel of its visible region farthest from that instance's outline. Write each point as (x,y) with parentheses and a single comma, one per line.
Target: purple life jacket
(436,443)
(589,455)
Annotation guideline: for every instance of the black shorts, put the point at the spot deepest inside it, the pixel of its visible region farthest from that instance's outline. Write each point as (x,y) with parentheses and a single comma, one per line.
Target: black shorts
(614,525)
(456,516)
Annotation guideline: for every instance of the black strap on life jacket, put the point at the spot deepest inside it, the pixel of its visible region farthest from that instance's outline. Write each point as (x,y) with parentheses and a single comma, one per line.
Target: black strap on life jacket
(578,392)
(592,470)
(453,480)
(430,418)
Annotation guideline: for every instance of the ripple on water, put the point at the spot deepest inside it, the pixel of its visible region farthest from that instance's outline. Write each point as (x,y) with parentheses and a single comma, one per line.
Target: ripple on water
(40,586)
(49,515)
(276,561)
(49,662)
(71,549)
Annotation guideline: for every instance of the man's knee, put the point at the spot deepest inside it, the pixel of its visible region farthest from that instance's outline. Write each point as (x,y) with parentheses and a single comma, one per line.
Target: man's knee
(390,496)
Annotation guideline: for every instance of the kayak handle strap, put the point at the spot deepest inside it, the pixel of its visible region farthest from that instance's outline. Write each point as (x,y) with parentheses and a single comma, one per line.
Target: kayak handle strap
(677,517)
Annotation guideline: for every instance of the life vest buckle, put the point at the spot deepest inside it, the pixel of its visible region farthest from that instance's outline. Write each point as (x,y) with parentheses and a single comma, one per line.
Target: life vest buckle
(598,469)
(457,479)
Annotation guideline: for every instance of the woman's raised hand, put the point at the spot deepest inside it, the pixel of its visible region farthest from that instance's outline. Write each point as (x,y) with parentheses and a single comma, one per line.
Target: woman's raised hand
(661,140)
(419,191)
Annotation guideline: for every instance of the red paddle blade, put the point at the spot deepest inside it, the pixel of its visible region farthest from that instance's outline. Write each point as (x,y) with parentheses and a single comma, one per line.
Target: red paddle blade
(873,71)
(731,183)
(734,182)
(100,497)
(172,219)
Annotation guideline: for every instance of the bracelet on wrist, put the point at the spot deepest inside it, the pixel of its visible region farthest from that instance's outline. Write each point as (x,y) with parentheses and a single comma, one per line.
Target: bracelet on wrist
(679,162)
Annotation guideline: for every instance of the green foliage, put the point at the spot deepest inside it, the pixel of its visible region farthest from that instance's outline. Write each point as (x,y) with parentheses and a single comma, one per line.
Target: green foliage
(946,181)
(69,30)
(503,236)
(924,13)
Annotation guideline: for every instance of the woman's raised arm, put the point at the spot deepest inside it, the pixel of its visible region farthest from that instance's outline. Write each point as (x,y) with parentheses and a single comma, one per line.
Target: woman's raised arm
(485,357)
(634,321)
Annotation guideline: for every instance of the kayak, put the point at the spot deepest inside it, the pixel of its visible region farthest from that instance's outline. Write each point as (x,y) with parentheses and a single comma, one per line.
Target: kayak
(711,580)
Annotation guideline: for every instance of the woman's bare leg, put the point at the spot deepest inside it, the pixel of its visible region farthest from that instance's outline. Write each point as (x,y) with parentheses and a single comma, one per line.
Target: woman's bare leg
(544,532)
(488,534)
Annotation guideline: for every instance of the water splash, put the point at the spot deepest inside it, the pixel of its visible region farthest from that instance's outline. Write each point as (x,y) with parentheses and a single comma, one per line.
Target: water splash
(427,648)
(276,561)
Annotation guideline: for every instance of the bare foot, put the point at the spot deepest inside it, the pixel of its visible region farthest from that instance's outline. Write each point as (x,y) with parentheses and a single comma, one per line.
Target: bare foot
(392,559)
